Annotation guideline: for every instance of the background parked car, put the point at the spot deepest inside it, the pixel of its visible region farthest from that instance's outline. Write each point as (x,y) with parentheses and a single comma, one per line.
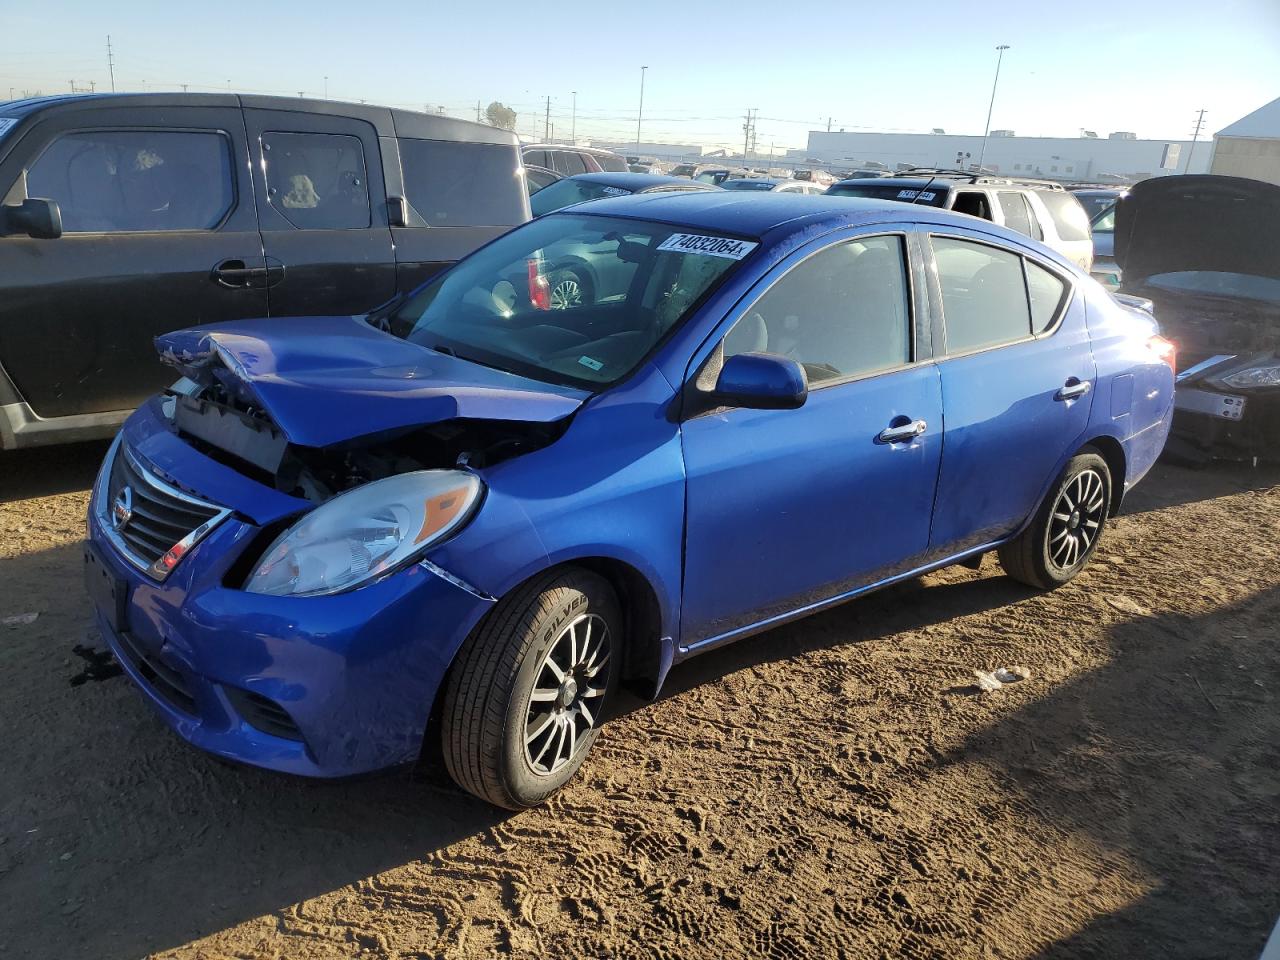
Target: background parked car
(1096,199)
(1041,210)
(569,161)
(593,186)
(1103,229)
(773,185)
(539,177)
(125,216)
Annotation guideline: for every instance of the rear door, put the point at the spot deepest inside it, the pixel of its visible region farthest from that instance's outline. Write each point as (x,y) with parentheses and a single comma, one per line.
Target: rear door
(322,205)
(159,233)
(1017,382)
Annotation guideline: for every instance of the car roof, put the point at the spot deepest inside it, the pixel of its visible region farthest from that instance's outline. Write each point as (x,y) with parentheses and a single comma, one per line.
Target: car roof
(636,181)
(389,121)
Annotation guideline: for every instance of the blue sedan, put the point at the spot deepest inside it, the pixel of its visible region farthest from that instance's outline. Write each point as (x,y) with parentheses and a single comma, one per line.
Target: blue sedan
(472,514)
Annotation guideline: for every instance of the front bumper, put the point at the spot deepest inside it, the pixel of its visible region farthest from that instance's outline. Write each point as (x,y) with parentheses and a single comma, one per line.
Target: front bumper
(1212,418)
(319,686)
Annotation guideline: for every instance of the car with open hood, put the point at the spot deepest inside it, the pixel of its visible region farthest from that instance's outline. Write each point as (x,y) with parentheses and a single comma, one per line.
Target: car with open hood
(1205,250)
(468,517)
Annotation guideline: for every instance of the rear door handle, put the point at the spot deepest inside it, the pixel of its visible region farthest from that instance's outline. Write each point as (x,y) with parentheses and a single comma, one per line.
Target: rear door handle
(902,433)
(1073,388)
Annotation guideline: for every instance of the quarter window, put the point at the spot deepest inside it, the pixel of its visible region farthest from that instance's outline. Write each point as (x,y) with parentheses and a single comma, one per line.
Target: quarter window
(124,181)
(840,313)
(1069,216)
(984,296)
(317,180)
(454,184)
(1046,292)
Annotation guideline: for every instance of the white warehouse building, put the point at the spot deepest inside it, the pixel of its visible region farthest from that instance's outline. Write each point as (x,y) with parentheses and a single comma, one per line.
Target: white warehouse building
(1121,156)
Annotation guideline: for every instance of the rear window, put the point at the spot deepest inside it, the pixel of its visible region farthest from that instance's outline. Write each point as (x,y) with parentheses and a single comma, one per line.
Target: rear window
(451,184)
(1068,216)
(570,191)
(932,197)
(747,185)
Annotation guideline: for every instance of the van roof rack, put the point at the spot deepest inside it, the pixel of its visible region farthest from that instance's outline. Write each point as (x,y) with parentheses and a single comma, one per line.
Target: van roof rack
(974,177)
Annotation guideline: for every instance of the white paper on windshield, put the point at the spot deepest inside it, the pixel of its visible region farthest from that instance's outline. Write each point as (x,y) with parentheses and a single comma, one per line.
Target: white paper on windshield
(5,124)
(723,247)
(615,192)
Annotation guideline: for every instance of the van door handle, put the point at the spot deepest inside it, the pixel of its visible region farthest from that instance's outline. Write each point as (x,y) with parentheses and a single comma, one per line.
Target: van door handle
(1075,387)
(234,273)
(902,433)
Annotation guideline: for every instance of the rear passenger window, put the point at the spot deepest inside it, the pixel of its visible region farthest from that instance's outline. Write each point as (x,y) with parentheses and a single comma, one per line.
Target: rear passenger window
(1014,209)
(1068,215)
(566,163)
(842,312)
(1046,292)
(537,158)
(453,184)
(984,296)
(136,180)
(612,164)
(317,180)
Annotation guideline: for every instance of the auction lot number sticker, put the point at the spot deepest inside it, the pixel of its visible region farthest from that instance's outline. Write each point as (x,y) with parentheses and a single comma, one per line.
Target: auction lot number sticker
(724,247)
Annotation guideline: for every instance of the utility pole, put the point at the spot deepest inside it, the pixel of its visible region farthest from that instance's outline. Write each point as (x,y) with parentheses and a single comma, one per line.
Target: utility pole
(1195,135)
(184,88)
(477,111)
(573,125)
(746,133)
(326,88)
(546,124)
(829,124)
(111,64)
(987,129)
(640,112)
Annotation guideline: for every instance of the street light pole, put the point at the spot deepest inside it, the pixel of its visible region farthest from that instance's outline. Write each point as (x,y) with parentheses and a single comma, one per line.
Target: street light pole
(573,128)
(994,83)
(640,112)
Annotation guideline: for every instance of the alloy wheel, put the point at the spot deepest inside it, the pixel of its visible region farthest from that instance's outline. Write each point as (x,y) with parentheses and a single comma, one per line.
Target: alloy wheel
(565,294)
(1076,519)
(568,694)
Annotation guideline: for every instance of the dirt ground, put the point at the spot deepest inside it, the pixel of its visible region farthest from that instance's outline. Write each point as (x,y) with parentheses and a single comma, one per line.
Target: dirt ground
(836,787)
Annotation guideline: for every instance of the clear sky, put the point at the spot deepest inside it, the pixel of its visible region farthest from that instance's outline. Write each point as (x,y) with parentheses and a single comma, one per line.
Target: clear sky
(1140,65)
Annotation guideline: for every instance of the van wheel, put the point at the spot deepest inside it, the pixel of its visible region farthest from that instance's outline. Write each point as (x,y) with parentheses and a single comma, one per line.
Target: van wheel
(1066,528)
(527,694)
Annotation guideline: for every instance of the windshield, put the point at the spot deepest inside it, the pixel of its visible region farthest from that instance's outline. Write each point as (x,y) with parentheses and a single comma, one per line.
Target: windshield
(888,191)
(569,299)
(1213,283)
(748,185)
(571,191)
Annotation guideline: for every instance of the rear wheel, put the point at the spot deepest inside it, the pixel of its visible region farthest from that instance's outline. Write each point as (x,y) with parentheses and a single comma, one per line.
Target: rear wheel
(1067,527)
(568,290)
(525,699)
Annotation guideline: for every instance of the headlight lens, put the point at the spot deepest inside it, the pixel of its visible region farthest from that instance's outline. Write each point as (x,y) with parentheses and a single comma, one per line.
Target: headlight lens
(365,532)
(1254,377)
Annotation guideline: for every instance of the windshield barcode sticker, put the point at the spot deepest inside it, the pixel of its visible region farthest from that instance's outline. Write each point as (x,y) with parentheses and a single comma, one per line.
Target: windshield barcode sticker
(709,246)
(615,192)
(591,363)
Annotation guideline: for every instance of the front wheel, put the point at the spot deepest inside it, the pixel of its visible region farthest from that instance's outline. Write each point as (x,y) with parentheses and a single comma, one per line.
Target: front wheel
(527,694)
(1066,528)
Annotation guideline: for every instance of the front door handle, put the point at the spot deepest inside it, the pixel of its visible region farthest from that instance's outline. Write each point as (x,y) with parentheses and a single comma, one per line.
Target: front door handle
(234,273)
(902,433)
(1075,387)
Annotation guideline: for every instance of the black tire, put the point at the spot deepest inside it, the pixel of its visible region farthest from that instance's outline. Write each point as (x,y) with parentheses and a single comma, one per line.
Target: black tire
(563,283)
(1064,534)
(488,706)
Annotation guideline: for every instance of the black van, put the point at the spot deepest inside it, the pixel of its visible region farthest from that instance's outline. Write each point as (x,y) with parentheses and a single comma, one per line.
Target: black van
(126,216)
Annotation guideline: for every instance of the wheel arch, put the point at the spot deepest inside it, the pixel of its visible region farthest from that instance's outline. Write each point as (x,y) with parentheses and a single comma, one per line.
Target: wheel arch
(1112,452)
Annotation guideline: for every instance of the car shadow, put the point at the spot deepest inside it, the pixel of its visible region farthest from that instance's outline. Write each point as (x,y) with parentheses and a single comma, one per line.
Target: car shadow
(1188,801)
(45,471)
(1169,485)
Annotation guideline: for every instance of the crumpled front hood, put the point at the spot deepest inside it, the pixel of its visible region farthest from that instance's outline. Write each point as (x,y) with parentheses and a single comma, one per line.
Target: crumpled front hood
(326,380)
(1198,222)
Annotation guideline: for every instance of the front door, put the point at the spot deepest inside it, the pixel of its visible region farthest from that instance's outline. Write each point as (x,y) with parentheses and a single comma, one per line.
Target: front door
(789,508)
(322,204)
(159,233)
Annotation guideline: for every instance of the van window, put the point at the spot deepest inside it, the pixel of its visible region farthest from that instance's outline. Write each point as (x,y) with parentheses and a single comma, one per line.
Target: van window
(841,312)
(537,158)
(1014,209)
(568,163)
(1068,215)
(452,184)
(984,295)
(120,181)
(610,163)
(972,202)
(317,180)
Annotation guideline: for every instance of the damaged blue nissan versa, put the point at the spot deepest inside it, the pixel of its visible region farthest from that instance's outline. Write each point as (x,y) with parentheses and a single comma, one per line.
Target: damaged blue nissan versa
(613,438)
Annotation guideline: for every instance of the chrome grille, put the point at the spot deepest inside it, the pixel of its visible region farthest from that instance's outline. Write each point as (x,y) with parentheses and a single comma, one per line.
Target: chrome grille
(152,523)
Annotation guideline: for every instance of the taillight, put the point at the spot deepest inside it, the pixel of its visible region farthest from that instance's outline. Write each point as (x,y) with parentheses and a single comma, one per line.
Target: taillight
(539,289)
(1166,350)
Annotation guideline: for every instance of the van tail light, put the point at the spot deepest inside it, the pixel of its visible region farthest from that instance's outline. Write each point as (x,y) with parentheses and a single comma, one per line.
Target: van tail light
(539,289)
(1166,350)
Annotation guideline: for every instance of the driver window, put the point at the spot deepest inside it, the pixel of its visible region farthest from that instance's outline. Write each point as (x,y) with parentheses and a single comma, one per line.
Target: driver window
(840,313)
(317,180)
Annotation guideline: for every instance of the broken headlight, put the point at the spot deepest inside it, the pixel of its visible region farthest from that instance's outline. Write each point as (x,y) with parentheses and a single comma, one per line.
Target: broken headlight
(366,532)
(1254,377)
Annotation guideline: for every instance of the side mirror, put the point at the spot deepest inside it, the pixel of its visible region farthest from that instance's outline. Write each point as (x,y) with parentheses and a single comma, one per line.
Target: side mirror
(38,219)
(761,381)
